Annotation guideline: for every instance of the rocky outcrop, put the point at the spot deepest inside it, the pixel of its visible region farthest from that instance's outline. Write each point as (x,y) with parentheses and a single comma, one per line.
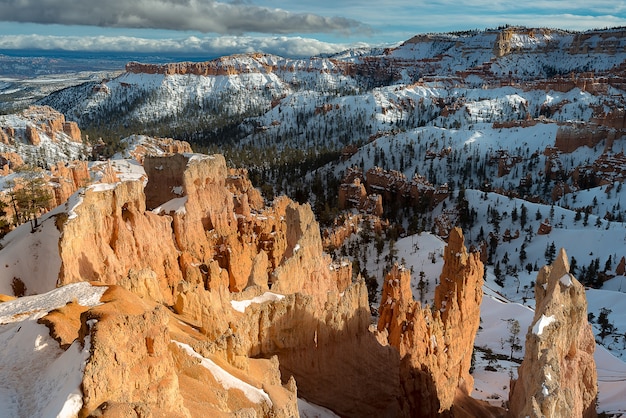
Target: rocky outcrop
(142,375)
(9,161)
(366,193)
(606,170)
(67,178)
(140,146)
(435,345)
(508,39)
(198,252)
(32,136)
(50,122)
(72,130)
(238,64)
(558,375)
(113,234)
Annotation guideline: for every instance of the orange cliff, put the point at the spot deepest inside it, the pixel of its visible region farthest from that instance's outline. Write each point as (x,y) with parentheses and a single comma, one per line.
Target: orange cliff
(199,241)
(188,243)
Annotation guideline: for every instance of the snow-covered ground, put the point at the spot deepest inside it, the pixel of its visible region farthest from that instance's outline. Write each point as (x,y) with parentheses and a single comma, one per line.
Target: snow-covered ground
(37,377)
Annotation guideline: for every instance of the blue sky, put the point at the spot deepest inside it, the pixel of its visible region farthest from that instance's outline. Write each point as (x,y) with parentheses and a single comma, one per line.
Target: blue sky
(295,28)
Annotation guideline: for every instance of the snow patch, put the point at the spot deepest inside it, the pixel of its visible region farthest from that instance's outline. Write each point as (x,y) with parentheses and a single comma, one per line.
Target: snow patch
(39,305)
(241,305)
(227,380)
(176,205)
(310,410)
(41,379)
(566,280)
(543,322)
(102,187)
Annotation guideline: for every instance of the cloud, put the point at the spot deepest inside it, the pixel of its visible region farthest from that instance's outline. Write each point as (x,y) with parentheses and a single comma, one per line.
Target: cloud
(206,16)
(209,46)
(452,22)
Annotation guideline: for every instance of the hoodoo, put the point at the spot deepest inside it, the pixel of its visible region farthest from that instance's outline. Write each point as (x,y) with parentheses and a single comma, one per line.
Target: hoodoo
(558,376)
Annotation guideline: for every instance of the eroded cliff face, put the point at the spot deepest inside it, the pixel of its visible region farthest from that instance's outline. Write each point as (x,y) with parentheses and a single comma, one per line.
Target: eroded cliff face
(435,344)
(558,375)
(199,240)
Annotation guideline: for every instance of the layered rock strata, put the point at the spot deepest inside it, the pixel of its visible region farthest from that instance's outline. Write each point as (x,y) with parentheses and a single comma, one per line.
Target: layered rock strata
(558,375)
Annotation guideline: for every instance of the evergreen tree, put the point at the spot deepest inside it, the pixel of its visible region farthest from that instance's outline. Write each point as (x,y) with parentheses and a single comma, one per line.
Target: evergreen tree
(30,195)
(523,216)
(606,327)
(550,252)
(514,340)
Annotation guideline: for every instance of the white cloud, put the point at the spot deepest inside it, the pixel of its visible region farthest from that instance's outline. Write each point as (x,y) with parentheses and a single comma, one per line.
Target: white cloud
(211,46)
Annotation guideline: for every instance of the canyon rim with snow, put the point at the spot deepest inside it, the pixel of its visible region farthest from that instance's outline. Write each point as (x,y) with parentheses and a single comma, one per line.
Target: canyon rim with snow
(434,229)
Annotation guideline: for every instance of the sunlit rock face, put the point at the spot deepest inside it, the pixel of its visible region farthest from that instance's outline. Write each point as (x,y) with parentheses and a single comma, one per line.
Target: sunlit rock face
(558,376)
(199,239)
(436,344)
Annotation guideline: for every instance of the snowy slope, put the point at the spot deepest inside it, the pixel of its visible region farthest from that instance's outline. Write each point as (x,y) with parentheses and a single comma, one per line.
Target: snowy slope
(37,377)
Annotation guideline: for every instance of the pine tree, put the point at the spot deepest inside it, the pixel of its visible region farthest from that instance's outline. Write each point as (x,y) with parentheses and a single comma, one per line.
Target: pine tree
(30,195)
(606,327)
(513,340)
(523,216)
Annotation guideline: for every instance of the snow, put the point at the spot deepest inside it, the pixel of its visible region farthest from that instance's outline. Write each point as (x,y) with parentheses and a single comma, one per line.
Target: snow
(37,377)
(227,380)
(122,165)
(566,280)
(102,187)
(310,410)
(31,257)
(543,322)
(176,205)
(241,305)
(39,305)
(72,204)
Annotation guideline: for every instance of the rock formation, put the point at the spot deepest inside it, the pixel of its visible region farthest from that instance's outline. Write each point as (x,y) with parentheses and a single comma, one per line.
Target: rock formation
(435,345)
(366,193)
(558,376)
(50,122)
(200,252)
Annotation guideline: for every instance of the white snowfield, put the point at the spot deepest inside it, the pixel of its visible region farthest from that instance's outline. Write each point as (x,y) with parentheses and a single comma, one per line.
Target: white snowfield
(543,322)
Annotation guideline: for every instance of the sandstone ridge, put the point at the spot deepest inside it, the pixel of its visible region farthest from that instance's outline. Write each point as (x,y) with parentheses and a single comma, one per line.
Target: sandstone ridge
(199,240)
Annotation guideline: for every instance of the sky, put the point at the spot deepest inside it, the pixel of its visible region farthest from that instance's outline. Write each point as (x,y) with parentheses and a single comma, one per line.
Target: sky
(288,28)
